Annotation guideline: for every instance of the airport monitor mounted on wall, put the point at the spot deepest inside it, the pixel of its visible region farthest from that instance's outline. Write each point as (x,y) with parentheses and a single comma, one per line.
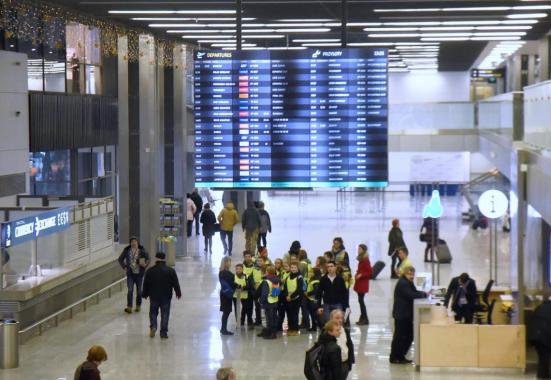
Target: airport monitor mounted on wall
(291,119)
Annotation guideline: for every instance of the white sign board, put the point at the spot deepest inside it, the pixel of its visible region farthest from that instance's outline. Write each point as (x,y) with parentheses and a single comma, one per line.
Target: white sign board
(493,204)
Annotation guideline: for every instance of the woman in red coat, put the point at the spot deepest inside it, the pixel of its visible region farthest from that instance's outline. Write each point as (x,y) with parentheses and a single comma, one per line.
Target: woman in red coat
(361,286)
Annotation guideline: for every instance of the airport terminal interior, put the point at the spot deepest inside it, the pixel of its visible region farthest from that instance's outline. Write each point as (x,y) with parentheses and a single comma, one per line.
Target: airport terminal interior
(127,121)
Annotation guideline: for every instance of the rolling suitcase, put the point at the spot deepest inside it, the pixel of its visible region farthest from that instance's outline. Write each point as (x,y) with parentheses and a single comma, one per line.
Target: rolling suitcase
(443,254)
(377,268)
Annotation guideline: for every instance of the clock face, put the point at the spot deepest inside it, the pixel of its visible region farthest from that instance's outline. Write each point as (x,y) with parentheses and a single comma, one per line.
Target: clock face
(493,204)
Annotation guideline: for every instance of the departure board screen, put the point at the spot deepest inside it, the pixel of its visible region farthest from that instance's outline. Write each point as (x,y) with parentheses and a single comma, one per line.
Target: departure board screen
(291,119)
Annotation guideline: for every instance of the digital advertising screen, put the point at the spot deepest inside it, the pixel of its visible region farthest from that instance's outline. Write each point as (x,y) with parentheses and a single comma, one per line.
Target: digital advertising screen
(291,119)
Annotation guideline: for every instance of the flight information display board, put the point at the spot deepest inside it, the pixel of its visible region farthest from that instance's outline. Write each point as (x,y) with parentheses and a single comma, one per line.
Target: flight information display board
(291,119)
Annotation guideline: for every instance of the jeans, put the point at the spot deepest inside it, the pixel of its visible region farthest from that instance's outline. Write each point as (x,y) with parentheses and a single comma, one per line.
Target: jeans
(261,237)
(189,227)
(402,339)
(208,244)
(154,306)
(328,308)
(250,240)
(363,310)
(293,307)
(131,280)
(271,318)
(227,246)
(196,218)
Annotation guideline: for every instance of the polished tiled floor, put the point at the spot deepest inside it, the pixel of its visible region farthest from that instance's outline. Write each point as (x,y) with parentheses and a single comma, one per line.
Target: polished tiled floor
(196,350)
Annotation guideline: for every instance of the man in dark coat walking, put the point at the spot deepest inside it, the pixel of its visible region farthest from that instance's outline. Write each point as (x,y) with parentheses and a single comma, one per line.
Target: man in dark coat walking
(198,201)
(159,283)
(462,291)
(402,312)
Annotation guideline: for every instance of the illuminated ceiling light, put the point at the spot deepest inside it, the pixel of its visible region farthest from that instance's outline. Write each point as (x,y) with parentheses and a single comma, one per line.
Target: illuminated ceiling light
(230,45)
(294,25)
(413,23)
(398,70)
(323,44)
(258,30)
(370,44)
(527,15)
(481,34)
(264,36)
(189,19)
(177,25)
(198,11)
(448,28)
(364,24)
(394,35)
(377,29)
(490,38)
(516,22)
(303,30)
(306,20)
(210,41)
(206,31)
(195,37)
(390,10)
(465,9)
(287,48)
(318,40)
(445,39)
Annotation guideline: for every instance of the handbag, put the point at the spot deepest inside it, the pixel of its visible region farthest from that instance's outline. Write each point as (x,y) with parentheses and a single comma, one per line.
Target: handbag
(216,227)
(423,237)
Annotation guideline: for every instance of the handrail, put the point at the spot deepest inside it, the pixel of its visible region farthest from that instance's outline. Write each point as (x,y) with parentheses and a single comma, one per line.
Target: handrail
(83,301)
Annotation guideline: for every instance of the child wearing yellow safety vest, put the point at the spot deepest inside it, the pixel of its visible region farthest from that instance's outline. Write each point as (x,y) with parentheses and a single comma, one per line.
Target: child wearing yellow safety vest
(269,296)
(305,268)
(282,304)
(245,292)
(311,297)
(257,274)
(293,290)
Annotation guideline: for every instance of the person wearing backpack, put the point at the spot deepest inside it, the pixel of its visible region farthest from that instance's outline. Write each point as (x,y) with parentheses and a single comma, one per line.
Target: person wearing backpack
(345,343)
(227,289)
(265,226)
(294,288)
(269,297)
(331,361)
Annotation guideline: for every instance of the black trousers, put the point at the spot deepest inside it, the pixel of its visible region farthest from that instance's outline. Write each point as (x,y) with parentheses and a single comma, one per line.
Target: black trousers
(402,339)
(363,309)
(247,310)
(225,316)
(466,314)
(261,240)
(293,307)
(189,227)
(543,361)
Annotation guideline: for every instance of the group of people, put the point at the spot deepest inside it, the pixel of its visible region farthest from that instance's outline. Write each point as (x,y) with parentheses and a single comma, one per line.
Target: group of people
(255,222)
(291,287)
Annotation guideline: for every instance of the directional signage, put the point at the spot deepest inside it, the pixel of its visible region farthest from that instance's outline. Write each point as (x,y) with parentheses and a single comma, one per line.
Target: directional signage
(30,228)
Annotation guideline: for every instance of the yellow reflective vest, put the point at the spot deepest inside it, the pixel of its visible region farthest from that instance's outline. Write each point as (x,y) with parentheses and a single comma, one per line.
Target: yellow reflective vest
(241,281)
(271,299)
(310,290)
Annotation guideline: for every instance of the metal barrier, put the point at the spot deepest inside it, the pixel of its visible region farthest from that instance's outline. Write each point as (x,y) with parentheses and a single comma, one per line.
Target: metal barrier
(26,333)
(9,345)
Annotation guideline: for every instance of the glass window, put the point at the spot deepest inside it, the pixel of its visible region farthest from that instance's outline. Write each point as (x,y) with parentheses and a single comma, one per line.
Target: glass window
(54,55)
(51,172)
(83,55)
(93,79)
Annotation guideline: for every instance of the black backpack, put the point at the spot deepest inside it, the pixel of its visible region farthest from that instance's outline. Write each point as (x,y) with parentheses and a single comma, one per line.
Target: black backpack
(313,362)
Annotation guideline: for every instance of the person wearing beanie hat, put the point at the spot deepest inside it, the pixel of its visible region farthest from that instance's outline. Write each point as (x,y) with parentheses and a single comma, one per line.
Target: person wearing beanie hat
(159,283)
(134,259)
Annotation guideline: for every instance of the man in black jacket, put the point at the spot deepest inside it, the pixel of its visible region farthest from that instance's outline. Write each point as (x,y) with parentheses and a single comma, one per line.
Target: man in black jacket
(332,291)
(539,334)
(134,259)
(463,290)
(159,283)
(198,201)
(402,312)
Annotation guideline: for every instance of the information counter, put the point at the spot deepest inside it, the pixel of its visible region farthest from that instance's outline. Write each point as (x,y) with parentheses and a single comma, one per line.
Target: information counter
(444,343)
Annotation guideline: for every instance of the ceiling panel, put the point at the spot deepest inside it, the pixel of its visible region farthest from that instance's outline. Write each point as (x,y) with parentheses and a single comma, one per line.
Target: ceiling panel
(497,20)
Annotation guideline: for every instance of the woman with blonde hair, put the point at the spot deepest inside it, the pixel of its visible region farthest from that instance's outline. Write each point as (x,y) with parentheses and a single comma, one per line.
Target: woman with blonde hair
(227,289)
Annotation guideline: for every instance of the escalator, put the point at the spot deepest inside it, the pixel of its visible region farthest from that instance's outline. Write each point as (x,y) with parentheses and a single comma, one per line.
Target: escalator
(474,188)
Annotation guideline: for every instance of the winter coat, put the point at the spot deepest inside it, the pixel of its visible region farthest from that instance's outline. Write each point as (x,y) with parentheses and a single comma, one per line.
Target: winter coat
(362,283)
(265,222)
(395,240)
(225,302)
(331,361)
(87,371)
(404,295)
(250,219)
(126,255)
(453,291)
(160,281)
(191,209)
(332,292)
(197,201)
(228,217)
(208,219)
(539,331)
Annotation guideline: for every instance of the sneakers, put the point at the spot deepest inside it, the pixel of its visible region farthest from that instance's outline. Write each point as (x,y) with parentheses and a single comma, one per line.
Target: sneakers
(399,361)
(164,336)
(128,310)
(138,308)
(292,333)
(152,333)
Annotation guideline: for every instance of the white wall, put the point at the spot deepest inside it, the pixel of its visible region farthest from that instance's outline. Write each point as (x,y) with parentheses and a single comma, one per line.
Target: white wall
(14,114)
(444,86)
